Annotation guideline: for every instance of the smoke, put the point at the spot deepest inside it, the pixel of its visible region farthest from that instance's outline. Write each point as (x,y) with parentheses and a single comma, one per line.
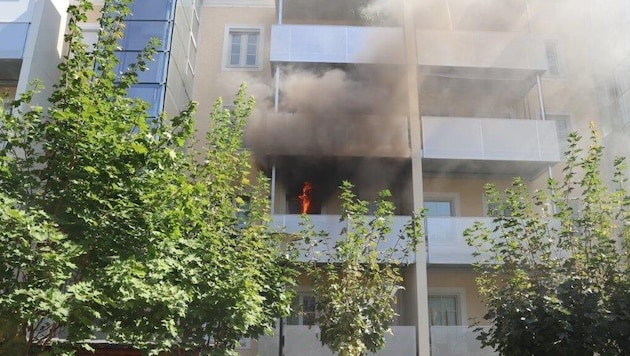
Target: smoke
(339,111)
(364,105)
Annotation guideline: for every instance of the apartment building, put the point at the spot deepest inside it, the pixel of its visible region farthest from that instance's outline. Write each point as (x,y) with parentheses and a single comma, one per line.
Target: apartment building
(430,99)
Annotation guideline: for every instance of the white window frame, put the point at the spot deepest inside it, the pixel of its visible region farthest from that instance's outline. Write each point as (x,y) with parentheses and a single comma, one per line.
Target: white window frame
(460,300)
(227,47)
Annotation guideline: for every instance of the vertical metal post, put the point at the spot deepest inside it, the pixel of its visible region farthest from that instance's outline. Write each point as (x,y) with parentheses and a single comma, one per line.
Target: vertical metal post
(280,8)
(281,338)
(543,114)
(273,189)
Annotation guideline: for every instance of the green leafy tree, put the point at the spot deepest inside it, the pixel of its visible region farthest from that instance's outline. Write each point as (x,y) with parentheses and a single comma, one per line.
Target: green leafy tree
(554,267)
(356,286)
(112,224)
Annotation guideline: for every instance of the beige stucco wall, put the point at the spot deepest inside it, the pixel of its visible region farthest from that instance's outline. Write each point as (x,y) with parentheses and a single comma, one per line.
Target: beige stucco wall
(459,277)
(211,81)
(467,193)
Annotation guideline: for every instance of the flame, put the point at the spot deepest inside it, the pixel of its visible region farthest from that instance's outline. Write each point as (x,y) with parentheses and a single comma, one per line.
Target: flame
(305,197)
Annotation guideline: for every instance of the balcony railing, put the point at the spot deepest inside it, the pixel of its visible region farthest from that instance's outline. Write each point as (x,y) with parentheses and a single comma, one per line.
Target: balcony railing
(336,44)
(502,146)
(445,239)
(481,49)
(331,225)
(304,341)
(457,341)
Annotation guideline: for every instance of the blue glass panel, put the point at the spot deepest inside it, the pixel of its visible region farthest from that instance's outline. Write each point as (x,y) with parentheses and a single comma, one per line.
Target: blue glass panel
(151,93)
(12,39)
(151,10)
(156,68)
(138,33)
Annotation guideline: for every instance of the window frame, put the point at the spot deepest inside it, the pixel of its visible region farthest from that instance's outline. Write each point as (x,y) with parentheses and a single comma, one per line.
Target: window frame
(460,302)
(227,47)
(299,314)
(452,198)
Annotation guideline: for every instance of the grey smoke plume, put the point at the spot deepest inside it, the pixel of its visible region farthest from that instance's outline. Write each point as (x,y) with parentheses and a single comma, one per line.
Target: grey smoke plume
(366,104)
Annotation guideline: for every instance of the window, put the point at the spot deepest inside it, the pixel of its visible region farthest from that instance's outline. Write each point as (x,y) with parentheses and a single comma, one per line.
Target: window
(441,204)
(554,66)
(439,208)
(443,310)
(304,310)
(446,306)
(242,48)
(563,130)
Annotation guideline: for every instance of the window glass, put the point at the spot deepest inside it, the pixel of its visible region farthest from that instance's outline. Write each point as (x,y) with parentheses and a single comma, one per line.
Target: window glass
(151,10)
(304,310)
(138,33)
(439,208)
(235,49)
(252,44)
(151,93)
(443,310)
(154,72)
(12,39)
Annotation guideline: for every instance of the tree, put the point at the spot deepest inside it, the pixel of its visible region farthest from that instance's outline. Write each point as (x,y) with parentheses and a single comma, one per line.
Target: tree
(355,288)
(112,223)
(554,268)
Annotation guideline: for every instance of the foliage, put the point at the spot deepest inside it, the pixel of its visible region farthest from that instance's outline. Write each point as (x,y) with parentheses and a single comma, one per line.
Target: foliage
(554,268)
(112,223)
(356,289)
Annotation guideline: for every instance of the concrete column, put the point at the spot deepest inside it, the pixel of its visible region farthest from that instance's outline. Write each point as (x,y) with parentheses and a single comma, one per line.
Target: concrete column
(415,143)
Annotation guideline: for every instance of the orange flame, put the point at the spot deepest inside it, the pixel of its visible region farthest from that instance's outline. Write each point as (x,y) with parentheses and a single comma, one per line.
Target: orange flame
(305,197)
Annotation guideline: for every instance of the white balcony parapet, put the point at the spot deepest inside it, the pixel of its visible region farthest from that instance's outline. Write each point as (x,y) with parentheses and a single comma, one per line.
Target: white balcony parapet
(457,341)
(336,44)
(304,341)
(331,225)
(481,49)
(446,242)
(490,139)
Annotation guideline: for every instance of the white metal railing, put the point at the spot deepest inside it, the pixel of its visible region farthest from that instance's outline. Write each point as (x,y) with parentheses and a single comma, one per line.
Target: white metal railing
(471,138)
(336,44)
(445,239)
(481,49)
(330,224)
(304,341)
(457,341)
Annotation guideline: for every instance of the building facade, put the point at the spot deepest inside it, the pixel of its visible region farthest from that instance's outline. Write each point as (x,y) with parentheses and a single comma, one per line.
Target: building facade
(431,99)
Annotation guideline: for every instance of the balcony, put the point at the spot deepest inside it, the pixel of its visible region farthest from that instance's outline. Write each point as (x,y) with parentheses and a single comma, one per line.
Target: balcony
(331,225)
(359,135)
(494,64)
(520,53)
(445,239)
(303,340)
(456,341)
(336,44)
(502,147)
